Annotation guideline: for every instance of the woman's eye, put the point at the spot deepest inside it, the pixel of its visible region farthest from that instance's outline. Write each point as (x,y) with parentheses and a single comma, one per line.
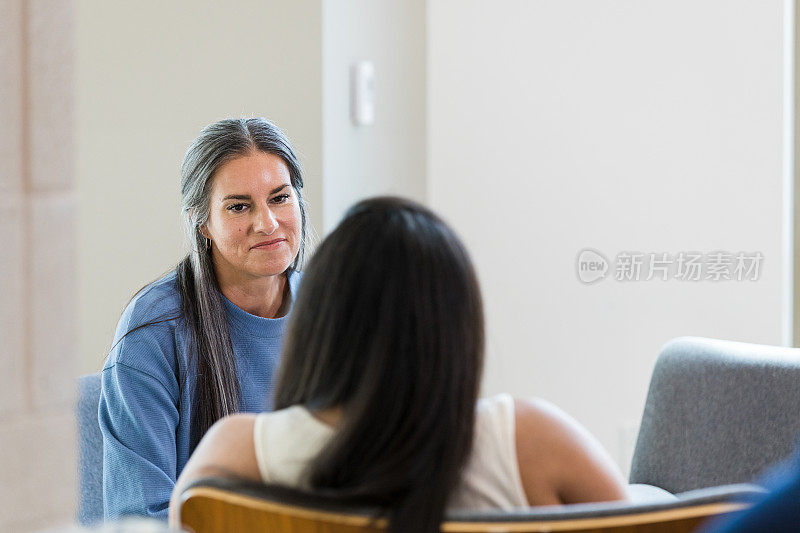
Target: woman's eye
(237,208)
(280,199)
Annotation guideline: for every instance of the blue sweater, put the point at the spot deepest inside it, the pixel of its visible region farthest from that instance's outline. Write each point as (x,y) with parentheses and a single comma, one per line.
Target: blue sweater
(776,512)
(145,414)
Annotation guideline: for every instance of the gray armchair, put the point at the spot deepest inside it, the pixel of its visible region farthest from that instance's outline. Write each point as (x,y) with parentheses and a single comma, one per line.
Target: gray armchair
(717,412)
(90,451)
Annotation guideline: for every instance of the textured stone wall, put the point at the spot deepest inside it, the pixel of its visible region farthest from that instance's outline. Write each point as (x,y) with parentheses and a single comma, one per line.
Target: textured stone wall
(37,264)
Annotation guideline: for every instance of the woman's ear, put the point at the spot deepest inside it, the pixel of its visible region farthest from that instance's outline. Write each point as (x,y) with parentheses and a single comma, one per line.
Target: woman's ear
(203,229)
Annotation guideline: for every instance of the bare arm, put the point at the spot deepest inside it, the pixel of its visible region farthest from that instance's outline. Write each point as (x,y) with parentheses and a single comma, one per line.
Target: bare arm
(560,461)
(226,449)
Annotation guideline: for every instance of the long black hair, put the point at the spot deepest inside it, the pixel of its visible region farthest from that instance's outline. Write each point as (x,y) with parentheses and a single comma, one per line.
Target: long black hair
(388,326)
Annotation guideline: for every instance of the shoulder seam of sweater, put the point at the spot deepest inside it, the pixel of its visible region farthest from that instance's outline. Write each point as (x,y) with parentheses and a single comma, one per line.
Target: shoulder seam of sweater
(147,307)
(148,374)
(140,300)
(122,342)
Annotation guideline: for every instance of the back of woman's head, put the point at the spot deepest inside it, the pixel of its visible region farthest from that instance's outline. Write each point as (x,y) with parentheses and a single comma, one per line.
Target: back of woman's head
(388,326)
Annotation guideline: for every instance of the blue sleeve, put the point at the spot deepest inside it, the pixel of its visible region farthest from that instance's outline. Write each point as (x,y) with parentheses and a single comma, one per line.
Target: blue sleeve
(777,512)
(138,417)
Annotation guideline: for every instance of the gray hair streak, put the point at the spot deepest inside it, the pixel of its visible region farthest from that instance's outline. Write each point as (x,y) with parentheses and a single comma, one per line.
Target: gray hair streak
(217,386)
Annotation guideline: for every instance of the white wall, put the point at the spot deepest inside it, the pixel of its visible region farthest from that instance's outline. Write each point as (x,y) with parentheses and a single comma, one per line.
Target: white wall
(636,125)
(387,157)
(150,75)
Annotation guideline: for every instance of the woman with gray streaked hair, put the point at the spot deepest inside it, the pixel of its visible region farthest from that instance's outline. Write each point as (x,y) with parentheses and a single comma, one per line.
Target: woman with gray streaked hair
(203,341)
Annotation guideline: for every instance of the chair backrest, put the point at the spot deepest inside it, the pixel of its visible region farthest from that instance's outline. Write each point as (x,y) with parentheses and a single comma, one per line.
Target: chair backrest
(717,412)
(90,454)
(215,506)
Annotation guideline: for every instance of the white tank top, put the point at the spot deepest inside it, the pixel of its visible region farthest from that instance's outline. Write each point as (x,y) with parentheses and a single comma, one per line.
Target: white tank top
(287,440)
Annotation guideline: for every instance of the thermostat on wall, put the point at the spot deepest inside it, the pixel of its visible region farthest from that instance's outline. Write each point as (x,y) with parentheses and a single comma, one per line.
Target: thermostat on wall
(362,93)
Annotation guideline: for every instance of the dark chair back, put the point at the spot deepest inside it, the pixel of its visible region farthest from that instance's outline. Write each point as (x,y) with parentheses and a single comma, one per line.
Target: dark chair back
(219,505)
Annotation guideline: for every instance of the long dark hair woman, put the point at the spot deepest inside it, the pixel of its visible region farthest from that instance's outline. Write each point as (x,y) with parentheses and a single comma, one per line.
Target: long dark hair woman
(203,342)
(376,399)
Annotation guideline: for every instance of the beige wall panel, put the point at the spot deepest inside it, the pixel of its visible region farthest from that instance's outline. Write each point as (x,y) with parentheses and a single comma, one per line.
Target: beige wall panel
(37,481)
(53,294)
(11,51)
(50,29)
(12,306)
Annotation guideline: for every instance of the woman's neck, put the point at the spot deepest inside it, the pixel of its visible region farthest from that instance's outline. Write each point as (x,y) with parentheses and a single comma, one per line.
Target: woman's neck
(265,297)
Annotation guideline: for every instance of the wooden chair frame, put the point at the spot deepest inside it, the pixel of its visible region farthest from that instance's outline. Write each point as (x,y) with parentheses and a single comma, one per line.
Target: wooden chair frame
(206,509)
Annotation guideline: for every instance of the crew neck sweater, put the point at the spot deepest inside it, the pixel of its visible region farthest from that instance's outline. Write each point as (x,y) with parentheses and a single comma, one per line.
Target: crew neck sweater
(148,380)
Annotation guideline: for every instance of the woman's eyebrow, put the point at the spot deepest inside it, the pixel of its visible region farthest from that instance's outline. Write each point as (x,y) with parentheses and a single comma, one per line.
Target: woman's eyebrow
(248,197)
(237,197)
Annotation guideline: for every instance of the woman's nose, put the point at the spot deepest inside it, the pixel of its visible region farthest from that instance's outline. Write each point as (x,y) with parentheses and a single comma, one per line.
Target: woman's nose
(266,222)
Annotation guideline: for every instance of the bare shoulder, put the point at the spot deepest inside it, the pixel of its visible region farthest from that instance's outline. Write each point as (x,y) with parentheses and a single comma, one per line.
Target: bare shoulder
(533,412)
(227,449)
(546,436)
(546,424)
(231,427)
(559,460)
(227,446)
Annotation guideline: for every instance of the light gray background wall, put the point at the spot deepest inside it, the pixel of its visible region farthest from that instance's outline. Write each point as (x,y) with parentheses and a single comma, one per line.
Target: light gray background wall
(643,126)
(387,157)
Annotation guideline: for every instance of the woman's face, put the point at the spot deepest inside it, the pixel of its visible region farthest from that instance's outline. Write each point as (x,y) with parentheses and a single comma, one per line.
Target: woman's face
(254,217)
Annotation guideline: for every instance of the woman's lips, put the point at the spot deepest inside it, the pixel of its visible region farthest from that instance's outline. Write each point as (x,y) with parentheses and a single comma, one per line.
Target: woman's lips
(267,245)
